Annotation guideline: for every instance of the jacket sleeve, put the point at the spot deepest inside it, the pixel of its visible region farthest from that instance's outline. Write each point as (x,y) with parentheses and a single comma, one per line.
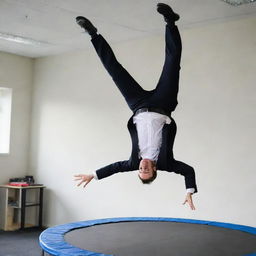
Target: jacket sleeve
(188,173)
(121,166)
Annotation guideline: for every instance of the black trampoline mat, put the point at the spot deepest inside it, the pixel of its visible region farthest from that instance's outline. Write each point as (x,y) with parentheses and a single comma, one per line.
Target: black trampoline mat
(162,239)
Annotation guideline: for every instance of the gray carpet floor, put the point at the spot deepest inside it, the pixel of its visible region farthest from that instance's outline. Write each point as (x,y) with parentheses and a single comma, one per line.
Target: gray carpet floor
(20,243)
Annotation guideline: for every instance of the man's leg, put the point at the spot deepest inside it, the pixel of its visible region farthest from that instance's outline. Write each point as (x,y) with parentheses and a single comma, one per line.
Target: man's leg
(168,85)
(130,89)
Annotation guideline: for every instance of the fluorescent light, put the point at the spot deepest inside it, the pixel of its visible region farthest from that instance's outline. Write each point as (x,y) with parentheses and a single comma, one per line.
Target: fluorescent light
(238,2)
(21,40)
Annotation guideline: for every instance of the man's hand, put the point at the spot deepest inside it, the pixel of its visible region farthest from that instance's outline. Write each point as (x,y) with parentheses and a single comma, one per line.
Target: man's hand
(84,178)
(189,200)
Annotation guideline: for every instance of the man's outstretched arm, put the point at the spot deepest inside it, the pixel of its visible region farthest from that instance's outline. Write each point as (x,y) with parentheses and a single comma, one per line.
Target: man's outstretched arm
(121,166)
(188,173)
(190,180)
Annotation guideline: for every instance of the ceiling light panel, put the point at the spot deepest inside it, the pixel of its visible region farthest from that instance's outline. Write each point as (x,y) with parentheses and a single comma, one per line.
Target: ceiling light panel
(21,40)
(238,2)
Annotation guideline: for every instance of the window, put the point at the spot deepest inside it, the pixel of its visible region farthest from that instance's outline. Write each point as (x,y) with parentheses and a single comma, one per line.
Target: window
(5,119)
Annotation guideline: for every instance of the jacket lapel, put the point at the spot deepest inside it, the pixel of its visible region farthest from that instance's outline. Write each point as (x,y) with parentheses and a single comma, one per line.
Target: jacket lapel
(162,161)
(135,143)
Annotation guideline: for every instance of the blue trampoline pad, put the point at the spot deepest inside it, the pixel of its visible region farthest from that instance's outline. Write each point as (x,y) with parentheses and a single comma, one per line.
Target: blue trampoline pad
(149,237)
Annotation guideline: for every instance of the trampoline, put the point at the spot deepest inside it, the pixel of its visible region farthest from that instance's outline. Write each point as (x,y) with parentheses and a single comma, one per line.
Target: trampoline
(148,237)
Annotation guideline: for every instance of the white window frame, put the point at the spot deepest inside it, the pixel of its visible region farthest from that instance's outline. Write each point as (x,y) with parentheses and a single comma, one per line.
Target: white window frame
(5,119)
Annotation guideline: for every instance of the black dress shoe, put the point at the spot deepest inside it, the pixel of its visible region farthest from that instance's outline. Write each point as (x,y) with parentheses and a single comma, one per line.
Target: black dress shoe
(169,15)
(87,25)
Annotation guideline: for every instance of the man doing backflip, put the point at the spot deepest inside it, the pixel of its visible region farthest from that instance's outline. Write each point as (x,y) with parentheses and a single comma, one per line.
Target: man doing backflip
(151,127)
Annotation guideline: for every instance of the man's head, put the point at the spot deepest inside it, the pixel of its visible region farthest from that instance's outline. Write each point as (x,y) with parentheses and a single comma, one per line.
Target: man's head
(147,171)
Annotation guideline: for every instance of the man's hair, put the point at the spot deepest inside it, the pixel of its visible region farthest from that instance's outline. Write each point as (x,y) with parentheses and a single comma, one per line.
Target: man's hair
(148,181)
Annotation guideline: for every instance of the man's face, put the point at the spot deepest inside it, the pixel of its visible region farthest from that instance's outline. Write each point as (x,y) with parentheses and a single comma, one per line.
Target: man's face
(146,169)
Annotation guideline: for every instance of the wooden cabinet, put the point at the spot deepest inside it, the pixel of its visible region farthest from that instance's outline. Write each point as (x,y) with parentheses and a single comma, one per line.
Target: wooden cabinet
(14,205)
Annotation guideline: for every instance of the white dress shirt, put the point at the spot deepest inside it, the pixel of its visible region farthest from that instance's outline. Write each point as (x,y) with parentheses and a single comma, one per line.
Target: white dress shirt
(149,128)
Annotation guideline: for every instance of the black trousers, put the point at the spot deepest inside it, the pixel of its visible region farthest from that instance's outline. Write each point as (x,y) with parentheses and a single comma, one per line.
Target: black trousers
(164,96)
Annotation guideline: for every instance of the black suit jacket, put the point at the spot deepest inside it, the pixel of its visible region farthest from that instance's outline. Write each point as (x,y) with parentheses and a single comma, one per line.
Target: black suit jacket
(165,160)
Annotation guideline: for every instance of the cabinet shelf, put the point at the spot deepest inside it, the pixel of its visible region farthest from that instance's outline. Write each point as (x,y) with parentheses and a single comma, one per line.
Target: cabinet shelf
(13,207)
(32,204)
(27,205)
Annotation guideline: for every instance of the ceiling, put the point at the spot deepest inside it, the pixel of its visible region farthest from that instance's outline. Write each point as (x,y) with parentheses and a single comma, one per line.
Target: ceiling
(51,23)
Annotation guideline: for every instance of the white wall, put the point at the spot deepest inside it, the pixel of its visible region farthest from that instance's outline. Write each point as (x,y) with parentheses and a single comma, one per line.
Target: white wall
(79,125)
(16,72)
